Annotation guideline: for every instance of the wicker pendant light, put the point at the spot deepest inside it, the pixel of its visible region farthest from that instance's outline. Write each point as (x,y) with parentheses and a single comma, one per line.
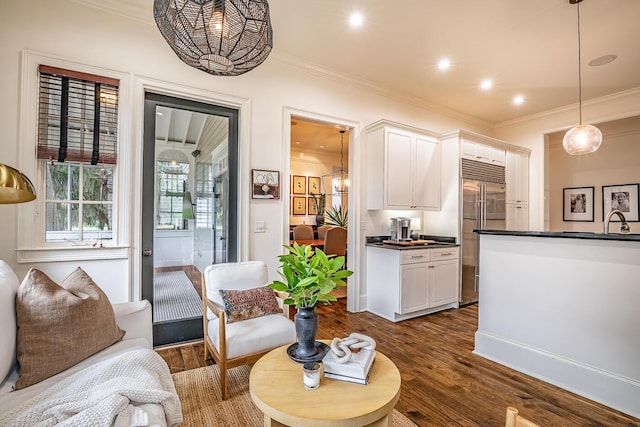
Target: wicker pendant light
(220,37)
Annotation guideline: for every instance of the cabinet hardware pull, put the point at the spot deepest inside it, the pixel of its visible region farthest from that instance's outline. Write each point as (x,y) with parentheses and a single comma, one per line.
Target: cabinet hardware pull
(447,254)
(417,256)
(432,266)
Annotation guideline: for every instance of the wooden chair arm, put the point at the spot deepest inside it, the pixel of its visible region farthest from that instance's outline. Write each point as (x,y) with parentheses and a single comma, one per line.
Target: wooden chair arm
(217,311)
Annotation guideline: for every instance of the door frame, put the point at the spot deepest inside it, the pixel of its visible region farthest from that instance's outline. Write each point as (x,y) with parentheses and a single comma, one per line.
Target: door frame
(355,300)
(143,85)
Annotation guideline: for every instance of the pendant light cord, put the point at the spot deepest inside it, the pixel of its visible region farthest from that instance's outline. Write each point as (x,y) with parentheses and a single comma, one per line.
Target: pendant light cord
(579,67)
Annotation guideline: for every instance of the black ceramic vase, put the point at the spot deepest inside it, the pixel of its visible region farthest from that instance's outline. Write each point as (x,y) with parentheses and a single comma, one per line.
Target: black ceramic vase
(306,322)
(319,220)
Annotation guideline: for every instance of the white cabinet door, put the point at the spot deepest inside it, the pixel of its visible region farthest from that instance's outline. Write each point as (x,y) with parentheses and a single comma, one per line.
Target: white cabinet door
(397,171)
(517,171)
(414,287)
(427,173)
(482,152)
(403,169)
(443,280)
(517,217)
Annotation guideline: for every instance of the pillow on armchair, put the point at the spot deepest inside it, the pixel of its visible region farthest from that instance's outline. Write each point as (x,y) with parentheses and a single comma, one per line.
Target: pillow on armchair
(60,325)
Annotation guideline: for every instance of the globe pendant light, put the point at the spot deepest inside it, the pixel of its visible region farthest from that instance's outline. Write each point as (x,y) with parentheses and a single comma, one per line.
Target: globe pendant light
(220,37)
(339,180)
(581,139)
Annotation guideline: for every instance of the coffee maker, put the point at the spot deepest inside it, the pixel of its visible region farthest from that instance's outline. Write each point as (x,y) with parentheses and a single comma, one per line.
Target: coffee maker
(400,229)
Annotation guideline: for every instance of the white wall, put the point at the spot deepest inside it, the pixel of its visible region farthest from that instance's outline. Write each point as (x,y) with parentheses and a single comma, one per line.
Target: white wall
(68,30)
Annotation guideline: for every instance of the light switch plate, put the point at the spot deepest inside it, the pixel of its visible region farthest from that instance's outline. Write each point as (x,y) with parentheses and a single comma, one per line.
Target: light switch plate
(259,227)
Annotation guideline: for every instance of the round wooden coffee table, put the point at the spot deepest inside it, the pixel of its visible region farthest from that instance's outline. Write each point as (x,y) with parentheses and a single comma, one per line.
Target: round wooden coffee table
(277,389)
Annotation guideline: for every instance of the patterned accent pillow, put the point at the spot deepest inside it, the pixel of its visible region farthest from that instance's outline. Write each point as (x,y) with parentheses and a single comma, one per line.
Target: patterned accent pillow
(60,325)
(249,303)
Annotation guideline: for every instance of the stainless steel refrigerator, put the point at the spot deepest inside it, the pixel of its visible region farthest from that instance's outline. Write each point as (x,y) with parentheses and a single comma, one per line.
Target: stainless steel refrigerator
(483,207)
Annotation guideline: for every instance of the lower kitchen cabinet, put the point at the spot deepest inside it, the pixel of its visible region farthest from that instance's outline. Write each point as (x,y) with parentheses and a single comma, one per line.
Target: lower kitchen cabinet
(402,284)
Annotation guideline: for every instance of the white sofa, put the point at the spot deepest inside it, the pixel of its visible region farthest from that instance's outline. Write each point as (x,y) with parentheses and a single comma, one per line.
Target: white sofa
(133,317)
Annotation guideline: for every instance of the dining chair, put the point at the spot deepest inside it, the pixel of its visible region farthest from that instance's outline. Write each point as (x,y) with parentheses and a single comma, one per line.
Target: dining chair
(243,318)
(335,241)
(322,231)
(303,232)
(515,420)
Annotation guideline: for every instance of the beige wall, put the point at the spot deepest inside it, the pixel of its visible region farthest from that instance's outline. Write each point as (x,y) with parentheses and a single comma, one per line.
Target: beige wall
(617,161)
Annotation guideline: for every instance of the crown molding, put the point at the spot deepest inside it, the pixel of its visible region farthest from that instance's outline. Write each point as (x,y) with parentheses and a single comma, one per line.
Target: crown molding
(137,10)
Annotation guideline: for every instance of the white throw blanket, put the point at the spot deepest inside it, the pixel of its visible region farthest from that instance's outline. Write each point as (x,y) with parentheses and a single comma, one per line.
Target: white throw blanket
(112,392)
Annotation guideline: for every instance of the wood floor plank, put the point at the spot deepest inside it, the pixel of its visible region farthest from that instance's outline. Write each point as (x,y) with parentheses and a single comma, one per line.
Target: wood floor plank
(443,382)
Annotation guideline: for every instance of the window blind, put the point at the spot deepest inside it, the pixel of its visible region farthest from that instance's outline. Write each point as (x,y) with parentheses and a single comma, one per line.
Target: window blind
(77,117)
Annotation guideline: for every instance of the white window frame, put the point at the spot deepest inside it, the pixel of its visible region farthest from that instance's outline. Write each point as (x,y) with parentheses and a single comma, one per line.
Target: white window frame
(32,246)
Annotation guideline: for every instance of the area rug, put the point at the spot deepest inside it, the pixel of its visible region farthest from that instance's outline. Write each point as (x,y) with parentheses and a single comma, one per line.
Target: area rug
(174,297)
(199,391)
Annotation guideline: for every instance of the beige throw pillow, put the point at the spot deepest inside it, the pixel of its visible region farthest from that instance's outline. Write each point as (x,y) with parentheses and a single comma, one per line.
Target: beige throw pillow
(60,325)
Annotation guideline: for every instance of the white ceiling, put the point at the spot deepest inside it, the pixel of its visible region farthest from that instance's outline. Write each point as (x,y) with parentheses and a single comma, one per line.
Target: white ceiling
(528,47)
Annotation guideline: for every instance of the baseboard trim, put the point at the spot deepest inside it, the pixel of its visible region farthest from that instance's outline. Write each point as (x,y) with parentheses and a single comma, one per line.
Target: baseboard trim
(614,391)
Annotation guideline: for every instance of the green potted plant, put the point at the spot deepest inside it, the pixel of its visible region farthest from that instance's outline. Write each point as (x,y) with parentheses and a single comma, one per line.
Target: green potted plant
(319,202)
(309,276)
(336,216)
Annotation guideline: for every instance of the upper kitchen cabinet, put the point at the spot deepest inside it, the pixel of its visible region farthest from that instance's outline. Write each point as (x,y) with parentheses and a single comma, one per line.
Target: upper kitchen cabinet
(517,171)
(403,167)
(482,152)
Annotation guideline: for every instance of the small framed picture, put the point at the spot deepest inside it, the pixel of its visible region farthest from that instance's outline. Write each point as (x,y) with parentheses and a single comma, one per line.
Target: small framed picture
(299,184)
(311,206)
(622,197)
(578,204)
(314,184)
(299,205)
(265,184)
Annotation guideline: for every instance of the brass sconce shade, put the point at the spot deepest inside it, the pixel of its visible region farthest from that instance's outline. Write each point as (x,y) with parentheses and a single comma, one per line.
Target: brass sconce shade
(220,37)
(15,187)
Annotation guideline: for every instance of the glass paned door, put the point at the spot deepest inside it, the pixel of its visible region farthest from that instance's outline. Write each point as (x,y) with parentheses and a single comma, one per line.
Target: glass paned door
(188,200)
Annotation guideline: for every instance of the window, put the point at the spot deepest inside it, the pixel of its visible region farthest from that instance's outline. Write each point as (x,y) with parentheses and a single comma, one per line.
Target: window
(173,184)
(204,200)
(77,149)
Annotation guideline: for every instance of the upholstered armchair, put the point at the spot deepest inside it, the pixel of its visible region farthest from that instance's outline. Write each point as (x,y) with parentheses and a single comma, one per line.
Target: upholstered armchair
(242,318)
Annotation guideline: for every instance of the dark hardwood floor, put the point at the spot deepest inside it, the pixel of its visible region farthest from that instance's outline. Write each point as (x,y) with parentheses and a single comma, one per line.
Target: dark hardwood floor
(443,382)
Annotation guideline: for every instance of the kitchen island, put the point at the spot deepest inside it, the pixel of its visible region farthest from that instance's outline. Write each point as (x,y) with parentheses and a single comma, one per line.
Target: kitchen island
(564,308)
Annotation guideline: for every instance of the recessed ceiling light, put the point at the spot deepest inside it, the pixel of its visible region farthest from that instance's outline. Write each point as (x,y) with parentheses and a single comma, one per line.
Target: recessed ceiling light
(159,113)
(444,64)
(356,20)
(486,84)
(603,60)
(518,99)
(297,142)
(322,146)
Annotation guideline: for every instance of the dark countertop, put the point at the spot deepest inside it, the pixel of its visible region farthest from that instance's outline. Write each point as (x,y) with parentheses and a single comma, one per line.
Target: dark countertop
(565,235)
(441,242)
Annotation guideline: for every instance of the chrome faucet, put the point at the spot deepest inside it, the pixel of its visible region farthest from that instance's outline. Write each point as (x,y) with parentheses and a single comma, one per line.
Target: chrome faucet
(624,227)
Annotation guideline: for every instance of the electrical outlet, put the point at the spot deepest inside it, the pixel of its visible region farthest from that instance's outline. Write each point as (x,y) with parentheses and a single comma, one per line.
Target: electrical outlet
(259,227)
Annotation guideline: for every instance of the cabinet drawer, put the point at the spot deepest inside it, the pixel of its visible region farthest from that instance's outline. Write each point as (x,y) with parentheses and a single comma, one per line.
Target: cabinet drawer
(415,255)
(444,253)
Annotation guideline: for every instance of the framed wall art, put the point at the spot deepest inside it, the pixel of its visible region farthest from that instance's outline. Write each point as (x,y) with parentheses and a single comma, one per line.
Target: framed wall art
(578,204)
(265,184)
(314,184)
(623,197)
(299,184)
(311,206)
(299,205)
